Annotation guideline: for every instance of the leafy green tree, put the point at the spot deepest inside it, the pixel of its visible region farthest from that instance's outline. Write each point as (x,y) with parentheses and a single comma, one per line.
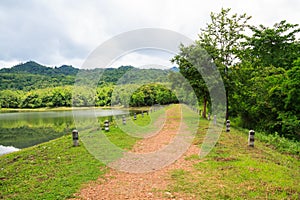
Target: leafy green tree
(10,99)
(222,39)
(191,73)
(266,80)
(276,46)
(31,100)
(290,115)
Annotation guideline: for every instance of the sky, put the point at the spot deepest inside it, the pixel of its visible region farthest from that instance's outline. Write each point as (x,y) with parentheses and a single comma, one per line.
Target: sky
(60,32)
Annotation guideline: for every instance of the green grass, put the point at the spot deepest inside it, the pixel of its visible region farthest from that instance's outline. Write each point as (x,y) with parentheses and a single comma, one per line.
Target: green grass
(233,170)
(273,140)
(144,126)
(52,170)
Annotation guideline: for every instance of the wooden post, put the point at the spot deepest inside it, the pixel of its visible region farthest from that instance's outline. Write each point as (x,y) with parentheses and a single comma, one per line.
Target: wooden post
(228,125)
(251,138)
(75,138)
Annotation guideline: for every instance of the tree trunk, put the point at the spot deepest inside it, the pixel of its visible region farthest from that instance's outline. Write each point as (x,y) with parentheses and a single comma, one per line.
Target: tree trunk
(204,107)
(227,114)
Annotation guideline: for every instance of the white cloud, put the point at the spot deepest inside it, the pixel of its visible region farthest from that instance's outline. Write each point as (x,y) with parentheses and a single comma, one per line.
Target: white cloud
(66,31)
(145,59)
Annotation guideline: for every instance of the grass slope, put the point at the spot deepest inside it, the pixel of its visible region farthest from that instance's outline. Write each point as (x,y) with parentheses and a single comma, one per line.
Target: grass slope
(52,170)
(233,170)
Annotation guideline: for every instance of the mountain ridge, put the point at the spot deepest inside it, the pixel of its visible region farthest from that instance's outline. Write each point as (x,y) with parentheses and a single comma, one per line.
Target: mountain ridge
(32,75)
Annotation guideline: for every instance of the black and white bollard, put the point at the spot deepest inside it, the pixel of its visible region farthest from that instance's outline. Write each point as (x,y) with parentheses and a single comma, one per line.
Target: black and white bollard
(142,113)
(215,119)
(134,116)
(75,138)
(251,138)
(106,125)
(227,125)
(124,120)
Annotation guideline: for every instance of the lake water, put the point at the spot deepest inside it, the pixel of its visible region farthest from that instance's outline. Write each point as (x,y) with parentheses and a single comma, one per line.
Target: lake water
(24,129)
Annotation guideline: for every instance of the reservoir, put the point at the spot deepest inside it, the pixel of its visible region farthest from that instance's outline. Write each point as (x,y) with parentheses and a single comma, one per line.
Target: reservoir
(24,129)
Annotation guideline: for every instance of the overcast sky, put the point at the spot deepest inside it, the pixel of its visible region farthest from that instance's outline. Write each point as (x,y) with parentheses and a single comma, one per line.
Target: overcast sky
(57,32)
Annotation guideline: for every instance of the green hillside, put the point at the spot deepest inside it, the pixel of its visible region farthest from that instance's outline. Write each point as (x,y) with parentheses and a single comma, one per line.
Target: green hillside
(31,75)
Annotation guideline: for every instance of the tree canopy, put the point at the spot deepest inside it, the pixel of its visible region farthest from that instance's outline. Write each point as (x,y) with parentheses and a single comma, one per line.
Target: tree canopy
(260,71)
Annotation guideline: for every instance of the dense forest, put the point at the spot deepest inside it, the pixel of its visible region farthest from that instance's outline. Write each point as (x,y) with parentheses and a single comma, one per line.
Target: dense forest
(260,68)
(259,65)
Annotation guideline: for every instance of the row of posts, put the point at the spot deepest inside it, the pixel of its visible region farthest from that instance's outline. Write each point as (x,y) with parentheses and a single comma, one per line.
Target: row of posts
(250,136)
(251,132)
(75,134)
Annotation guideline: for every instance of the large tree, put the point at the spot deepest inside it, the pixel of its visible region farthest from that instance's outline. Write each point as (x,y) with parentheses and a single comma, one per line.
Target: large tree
(221,39)
(186,60)
(268,78)
(276,46)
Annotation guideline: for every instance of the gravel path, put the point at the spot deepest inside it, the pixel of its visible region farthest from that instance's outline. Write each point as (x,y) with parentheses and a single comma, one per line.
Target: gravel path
(153,184)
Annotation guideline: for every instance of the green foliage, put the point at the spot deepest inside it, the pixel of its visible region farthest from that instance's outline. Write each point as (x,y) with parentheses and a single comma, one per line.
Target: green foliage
(10,99)
(276,46)
(222,40)
(32,67)
(269,99)
(31,76)
(191,73)
(150,94)
(27,82)
(280,143)
(104,95)
(260,72)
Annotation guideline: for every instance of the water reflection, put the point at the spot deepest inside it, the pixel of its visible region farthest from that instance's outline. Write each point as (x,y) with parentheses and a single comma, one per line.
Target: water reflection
(25,129)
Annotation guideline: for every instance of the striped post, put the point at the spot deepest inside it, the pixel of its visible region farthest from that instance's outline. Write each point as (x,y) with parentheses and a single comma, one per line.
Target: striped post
(251,138)
(228,125)
(106,125)
(124,120)
(134,116)
(75,138)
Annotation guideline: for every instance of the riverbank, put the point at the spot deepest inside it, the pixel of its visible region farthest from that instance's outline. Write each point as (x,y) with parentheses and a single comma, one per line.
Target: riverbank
(53,109)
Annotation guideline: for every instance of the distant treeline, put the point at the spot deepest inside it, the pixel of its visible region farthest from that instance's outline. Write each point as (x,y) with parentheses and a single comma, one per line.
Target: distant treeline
(106,95)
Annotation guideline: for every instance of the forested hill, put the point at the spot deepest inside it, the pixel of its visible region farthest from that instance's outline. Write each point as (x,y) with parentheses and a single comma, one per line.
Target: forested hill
(32,67)
(31,75)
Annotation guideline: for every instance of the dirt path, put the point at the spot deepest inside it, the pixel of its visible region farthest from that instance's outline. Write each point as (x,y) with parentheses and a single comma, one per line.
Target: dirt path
(151,185)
